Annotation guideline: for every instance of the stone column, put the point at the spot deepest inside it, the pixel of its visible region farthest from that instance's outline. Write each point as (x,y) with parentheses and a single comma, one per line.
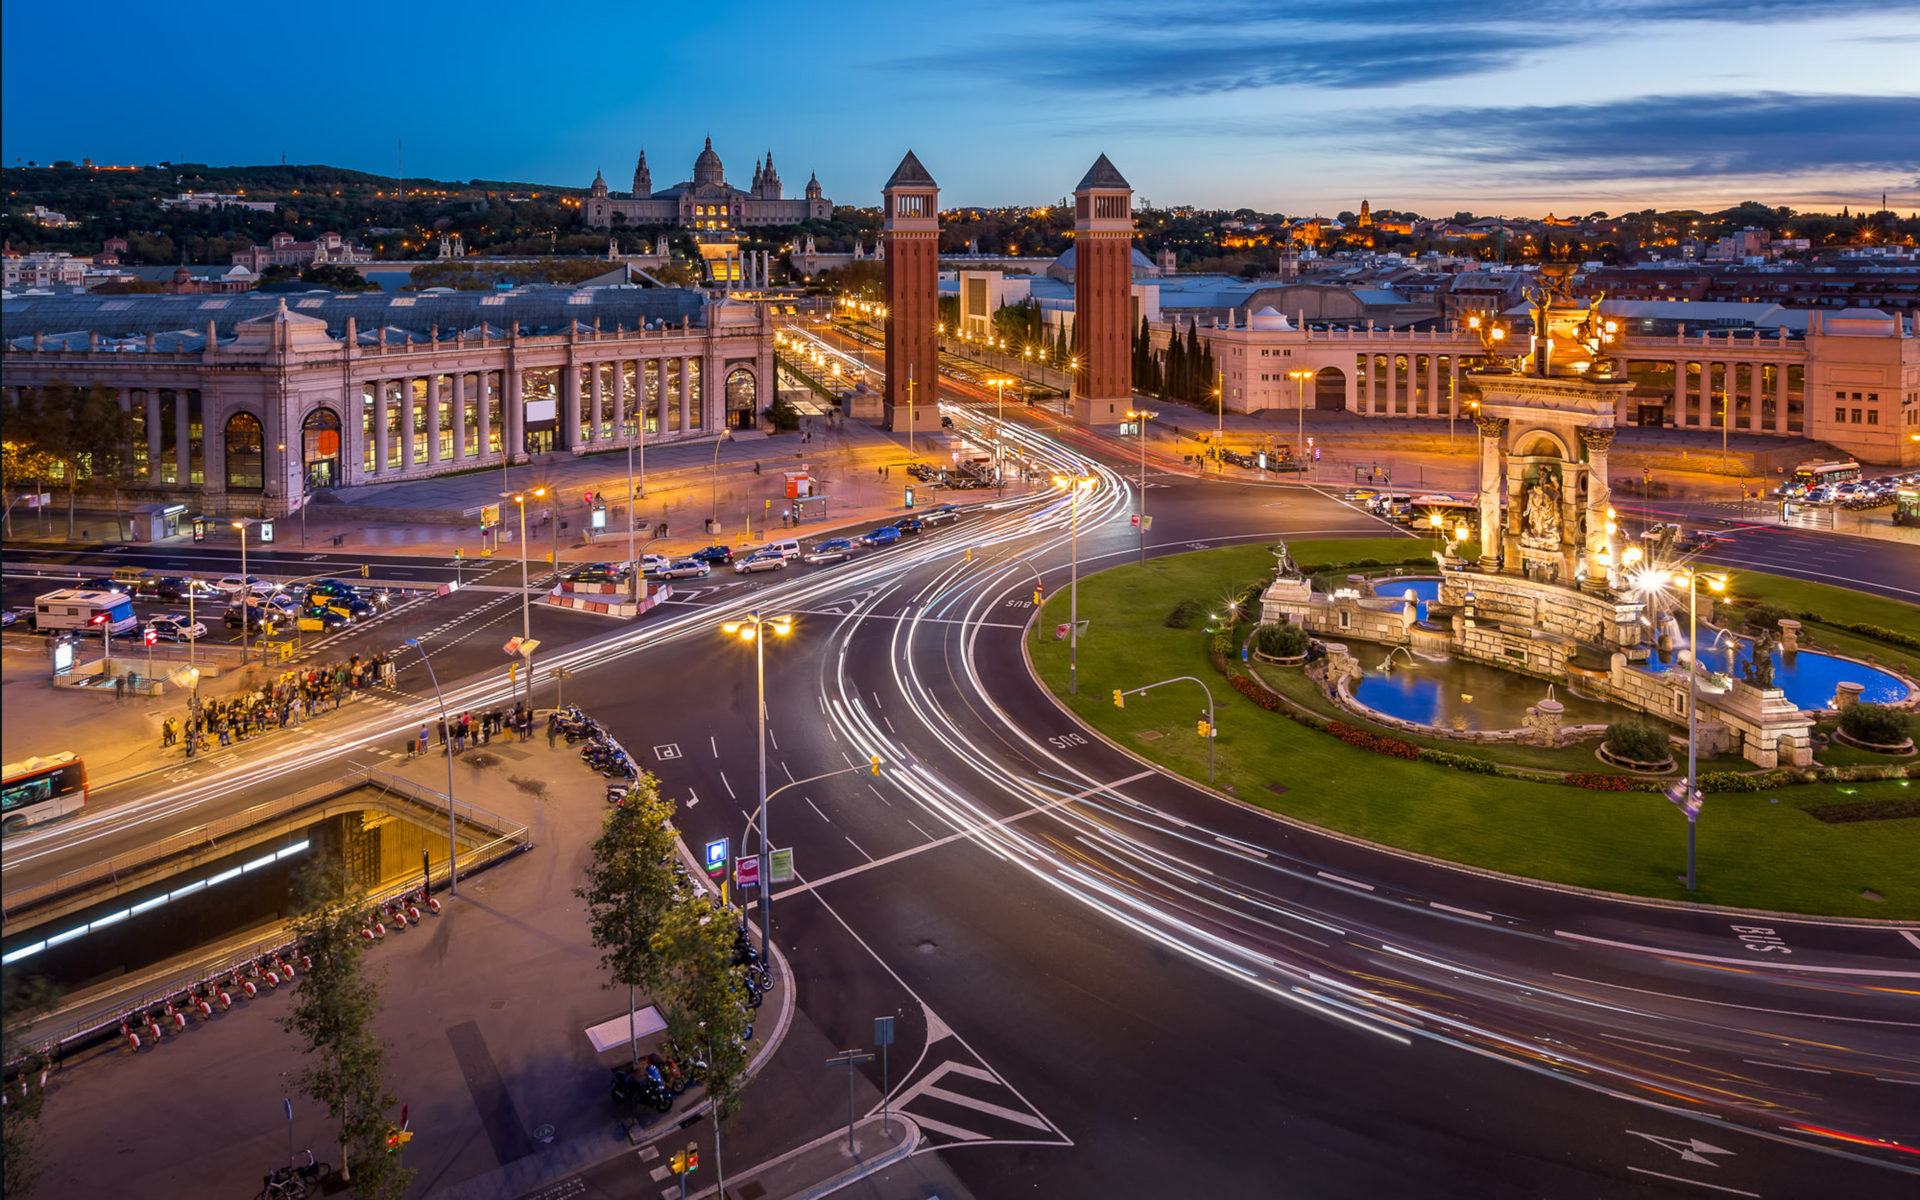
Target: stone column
(1493,432)
(1599,499)
(459,415)
(1780,398)
(620,399)
(570,406)
(483,433)
(1434,400)
(436,418)
(686,399)
(1680,394)
(182,449)
(1516,517)
(380,404)
(515,443)
(594,395)
(153,435)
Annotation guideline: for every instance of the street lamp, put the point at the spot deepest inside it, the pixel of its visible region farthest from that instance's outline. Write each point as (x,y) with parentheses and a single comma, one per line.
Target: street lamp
(713,510)
(1140,417)
(526,612)
(753,629)
(1686,794)
(246,588)
(999,384)
(1300,378)
(446,743)
(1077,484)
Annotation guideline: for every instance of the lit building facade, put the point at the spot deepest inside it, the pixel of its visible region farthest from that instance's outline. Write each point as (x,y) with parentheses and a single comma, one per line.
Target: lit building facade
(707,203)
(243,405)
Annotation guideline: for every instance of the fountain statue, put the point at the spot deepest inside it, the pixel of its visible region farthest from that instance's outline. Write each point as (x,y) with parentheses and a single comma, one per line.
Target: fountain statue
(1759,669)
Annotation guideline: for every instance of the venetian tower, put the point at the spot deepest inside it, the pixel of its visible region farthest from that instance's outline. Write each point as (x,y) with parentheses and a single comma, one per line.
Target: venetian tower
(1103,295)
(910,235)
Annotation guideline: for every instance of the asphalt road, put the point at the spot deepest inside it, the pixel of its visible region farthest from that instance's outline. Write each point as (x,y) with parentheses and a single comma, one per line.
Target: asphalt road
(1109,983)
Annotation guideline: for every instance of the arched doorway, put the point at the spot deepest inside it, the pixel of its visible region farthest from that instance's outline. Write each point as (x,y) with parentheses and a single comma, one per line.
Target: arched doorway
(320,449)
(742,398)
(1330,390)
(246,445)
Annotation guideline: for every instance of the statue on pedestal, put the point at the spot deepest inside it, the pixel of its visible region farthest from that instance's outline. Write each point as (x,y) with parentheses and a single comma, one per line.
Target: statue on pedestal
(1543,512)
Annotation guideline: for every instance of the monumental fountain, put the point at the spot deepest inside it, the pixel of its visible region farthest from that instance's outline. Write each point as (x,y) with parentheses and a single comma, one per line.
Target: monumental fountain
(1552,594)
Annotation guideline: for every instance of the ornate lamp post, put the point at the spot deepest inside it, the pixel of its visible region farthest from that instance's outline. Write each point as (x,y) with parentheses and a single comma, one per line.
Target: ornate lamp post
(1140,417)
(754,628)
(1076,484)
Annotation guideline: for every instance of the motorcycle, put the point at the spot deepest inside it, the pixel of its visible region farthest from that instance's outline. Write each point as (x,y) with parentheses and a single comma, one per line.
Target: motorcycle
(630,1091)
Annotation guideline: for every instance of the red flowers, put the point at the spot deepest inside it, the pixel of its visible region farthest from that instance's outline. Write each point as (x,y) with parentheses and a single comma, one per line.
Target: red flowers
(1378,743)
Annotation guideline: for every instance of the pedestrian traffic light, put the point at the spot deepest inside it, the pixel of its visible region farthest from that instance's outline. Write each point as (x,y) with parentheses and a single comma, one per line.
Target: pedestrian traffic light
(1119,698)
(693,1158)
(1206,729)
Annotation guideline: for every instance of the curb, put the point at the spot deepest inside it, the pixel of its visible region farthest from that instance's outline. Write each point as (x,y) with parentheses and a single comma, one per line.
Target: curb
(1544,885)
(851,1175)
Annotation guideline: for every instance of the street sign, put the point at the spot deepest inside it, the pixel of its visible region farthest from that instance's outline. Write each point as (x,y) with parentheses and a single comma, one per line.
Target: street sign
(600,517)
(746,872)
(717,857)
(780,866)
(266,531)
(883,1031)
(909,497)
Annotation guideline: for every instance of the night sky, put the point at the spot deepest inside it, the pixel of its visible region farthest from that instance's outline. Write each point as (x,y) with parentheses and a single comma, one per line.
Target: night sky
(1497,106)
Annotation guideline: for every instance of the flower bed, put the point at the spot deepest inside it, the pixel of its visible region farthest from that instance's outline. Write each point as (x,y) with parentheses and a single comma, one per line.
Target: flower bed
(1377,743)
(1255,691)
(1594,782)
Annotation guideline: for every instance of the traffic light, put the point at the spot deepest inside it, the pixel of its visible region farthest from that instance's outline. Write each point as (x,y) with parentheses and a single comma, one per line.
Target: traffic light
(875,760)
(1038,591)
(1119,698)
(1206,729)
(693,1158)
(678,1163)
(363,571)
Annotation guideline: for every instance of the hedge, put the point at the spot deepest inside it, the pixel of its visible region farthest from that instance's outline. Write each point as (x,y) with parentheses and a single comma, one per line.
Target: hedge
(1376,742)
(1875,723)
(1638,740)
(1459,762)
(1185,614)
(1734,781)
(1877,632)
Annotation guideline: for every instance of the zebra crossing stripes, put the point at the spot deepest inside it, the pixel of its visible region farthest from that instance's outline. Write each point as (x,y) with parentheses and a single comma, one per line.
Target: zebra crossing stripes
(960,1101)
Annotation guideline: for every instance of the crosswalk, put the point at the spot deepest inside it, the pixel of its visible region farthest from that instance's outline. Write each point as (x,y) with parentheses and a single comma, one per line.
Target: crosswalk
(957,1099)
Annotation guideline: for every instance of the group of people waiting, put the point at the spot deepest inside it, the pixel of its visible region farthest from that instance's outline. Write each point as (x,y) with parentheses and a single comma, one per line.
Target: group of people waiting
(286,700)
(477,729)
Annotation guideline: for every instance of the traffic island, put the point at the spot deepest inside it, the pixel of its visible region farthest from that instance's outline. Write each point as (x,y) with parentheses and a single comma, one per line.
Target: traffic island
(1502,809)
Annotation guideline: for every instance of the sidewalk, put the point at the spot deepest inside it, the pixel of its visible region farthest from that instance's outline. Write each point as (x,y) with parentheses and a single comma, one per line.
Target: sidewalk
(486,1007)
(826,1165)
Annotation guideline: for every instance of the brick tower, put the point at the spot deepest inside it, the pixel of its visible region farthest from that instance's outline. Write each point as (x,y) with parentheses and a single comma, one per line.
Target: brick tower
(1103,295)
(912,238)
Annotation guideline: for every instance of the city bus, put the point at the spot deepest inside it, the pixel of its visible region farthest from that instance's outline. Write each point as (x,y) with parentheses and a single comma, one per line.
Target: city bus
(41,789)
(1450,509)
(1808,476)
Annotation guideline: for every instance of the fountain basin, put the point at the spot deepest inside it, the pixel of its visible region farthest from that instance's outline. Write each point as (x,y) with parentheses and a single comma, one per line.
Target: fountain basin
(1484,697)
(1808,677)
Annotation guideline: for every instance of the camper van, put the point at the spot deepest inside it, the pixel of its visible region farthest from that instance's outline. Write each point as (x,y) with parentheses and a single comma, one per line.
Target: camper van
(79,611)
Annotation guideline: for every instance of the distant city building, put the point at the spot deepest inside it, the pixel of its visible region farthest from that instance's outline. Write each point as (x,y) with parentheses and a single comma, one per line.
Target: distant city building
(248,404)
(42,215)
(42,269)
(707,203)
(284,251)
(205,201)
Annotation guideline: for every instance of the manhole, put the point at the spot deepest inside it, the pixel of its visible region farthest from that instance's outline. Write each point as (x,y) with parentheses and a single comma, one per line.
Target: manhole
(1279,789)
(1149,735)
(543,1134)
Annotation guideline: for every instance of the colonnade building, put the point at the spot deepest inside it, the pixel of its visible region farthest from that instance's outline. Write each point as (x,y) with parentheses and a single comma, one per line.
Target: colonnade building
(1850,378)
(247,405)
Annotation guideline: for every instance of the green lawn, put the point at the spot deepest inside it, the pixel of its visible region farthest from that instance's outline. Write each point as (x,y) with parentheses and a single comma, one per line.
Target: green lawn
(1756,850)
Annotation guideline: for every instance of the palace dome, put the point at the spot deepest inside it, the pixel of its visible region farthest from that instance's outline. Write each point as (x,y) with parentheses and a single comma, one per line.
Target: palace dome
(706,168)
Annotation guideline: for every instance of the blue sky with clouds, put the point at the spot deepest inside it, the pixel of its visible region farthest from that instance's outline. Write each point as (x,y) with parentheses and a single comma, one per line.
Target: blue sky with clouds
(1495,106)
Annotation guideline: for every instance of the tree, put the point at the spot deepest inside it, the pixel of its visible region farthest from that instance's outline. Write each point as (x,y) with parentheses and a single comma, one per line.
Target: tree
(630,887)
(77,432)
(25,997)
(334,1006)
(701,994)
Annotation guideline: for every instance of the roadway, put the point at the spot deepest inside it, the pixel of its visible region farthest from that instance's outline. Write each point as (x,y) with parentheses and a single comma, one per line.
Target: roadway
(1111,983)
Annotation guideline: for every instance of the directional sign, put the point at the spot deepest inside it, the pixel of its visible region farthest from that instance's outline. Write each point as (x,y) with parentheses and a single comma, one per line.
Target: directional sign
(780,866)
(746,872)
(717,857)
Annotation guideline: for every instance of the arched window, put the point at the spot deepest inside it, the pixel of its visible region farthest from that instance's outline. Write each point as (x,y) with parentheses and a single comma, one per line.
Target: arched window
(246,453)
(320,448)
(742,392)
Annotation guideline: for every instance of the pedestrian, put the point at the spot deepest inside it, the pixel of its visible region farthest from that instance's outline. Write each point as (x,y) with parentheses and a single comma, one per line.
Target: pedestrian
(119,688)
(423,733)
(553,726)
(443,731)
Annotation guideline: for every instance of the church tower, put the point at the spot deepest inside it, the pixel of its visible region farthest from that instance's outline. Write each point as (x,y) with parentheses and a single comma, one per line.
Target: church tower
(642,178)
(770,182)
(910,233)
(1103,295)
(1366,215)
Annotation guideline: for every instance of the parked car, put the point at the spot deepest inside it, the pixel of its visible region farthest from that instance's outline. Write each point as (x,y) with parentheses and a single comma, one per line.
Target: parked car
(686,568)
(886,535)
(177,628)
(910,525)
(279,601)
(759,562)
(831,550)
(940,514)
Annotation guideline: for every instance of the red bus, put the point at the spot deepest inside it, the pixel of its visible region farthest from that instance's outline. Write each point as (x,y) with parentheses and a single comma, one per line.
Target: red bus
(41,789)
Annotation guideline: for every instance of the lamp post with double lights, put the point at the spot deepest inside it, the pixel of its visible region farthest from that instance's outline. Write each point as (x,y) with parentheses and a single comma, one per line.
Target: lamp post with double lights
(246,589)
(1686,794)
(1076,484)
(1140,417)
(446,743)
(999,384)
(526,611)
(1300,378)
(754,628)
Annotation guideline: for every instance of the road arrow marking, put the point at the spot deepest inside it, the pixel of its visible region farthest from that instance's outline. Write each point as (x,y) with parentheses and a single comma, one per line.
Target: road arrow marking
(1691,1150)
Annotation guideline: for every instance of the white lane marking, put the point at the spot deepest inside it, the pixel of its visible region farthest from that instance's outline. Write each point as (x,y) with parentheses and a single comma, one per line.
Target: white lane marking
(1636,1041)
(1242,847)
(923,833)
(692,799)
(1908,1082)
(773,739)
(856,846)
(816,808)
(730,792)
(1784,1012)
(788,770)
(714,744)
(876,791)
(998,1110)
(952,1131)
(1745,962)
(1365,887)
(1784,1067)
(890,728)
(1459,912)
(876,699)
(1695,1182)
(1910,936)
(660,1172)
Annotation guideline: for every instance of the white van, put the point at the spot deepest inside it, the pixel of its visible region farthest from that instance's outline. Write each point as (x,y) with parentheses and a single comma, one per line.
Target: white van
(788,549)
(71,609)
(1390,504)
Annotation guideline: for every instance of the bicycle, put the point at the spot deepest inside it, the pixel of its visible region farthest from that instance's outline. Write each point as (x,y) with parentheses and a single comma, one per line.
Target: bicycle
(294,1181)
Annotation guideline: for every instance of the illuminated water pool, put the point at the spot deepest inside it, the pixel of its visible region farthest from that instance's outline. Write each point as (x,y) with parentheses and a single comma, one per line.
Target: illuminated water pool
(1808,677)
